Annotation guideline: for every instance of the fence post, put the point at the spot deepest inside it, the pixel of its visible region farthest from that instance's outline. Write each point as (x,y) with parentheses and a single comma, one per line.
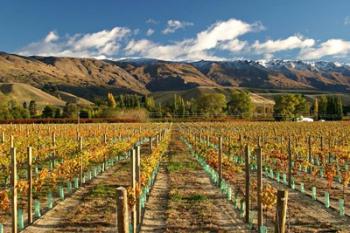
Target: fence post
(53,149)
(30,186)
(14,189)
(133,185)
(122,210)
(247,182)
(81,159)
(289,163)
(281,211)
(138,183)
(220,160)
(150,144)
(309,153)
(259,186)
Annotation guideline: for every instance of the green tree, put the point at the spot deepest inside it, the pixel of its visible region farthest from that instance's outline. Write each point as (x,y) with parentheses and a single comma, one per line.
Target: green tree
(240,104)
(150,103)
(33,108)
(85,113)
(322,107)
(334,108)
(48,112)
(58,113)
(290,106)
(70,110)
(211,104)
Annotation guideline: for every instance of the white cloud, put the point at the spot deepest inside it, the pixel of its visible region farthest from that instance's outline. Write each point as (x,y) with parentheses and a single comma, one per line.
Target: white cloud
(150,32)
(235,45)
(292,42)
(220,35)
(52,36)
(332,47)
(174,25)
(99,44)
(151,21)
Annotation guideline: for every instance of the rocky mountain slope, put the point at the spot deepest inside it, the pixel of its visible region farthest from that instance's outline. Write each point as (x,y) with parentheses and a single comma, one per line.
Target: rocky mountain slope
(90,78)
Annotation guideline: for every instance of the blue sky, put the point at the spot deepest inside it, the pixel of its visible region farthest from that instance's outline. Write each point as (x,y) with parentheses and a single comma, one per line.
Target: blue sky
(178,30)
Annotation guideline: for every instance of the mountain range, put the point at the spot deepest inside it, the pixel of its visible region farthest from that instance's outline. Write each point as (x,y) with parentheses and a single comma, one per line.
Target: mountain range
(90,78)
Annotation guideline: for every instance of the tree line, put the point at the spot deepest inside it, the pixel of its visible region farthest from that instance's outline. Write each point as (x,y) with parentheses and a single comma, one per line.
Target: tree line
(236,103)
(293,106)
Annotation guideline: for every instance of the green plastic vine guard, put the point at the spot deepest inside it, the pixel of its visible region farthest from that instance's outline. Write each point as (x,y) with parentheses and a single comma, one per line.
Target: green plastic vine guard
(90,175)
(61,192)
(76,182)
(235,201)
(293,184)
(263,229)
(20,219)
(69,187)
(229,194)
(37,212)
(1,228)
(302,189)
(284,178)
(36,170)
(242,209)
(49,200)
(321,173)
(326,200)
(314,195)
(341,207)
(95,172)
(339,179)
(278,177)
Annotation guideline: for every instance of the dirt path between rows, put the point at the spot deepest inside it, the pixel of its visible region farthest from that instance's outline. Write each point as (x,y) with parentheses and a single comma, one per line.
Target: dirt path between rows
(91,209)
(184,200)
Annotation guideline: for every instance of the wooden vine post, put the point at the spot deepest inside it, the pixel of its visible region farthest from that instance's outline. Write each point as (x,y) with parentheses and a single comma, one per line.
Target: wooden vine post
(247,182)
(289,163)
(122,210)
(14,189)
(105,141)
(259,186)
(309,153)
(220,160)
(81,159)
(30,185)
(138,182)
(150,144)
(281,211)
(53,149)
(12,141)
(133,186)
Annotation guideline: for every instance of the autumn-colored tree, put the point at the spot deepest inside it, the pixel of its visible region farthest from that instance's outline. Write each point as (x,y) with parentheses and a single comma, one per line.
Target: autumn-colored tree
(111,101)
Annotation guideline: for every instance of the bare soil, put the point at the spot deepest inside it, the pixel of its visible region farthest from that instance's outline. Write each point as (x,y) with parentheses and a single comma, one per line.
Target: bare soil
(184,199)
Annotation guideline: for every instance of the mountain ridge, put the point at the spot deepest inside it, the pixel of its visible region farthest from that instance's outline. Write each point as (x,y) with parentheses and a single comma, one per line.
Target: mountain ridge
(91,78)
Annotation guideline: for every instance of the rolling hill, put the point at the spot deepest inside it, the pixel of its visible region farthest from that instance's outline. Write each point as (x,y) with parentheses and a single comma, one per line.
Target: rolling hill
(21,92)
(90,78)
